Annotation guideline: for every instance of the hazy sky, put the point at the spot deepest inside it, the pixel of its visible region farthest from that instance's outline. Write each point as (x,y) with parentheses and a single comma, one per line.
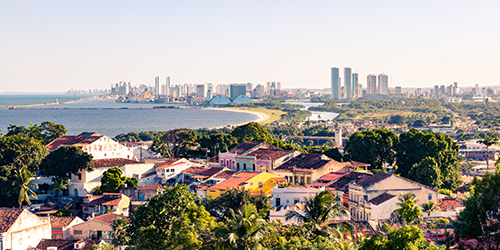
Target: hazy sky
(57,45)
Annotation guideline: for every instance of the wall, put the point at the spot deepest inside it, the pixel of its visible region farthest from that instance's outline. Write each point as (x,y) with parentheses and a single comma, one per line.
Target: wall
(106,148)
(27,231)
(397,185)
(88,227)
(289,195)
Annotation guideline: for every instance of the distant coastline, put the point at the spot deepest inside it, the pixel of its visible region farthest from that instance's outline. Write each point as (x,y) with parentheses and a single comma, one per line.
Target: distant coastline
(52,103)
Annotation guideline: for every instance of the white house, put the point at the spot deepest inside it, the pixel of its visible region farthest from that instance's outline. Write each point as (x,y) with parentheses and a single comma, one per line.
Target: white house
(288,196)
(170,170)
(99,227)
(61,226)
(20,229)
(278,214)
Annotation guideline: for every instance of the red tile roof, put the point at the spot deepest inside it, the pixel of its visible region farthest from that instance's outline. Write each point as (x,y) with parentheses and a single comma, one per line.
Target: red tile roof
(113,162)
(154,187)
(307,161)
(169,166)
(234,181)
(82,139)
(381,198)
(168,162)
(7,218)
(266,154)
(369,181)
(194,170)
(449,204)
(61,244)
(331,176)
(147,174)
(224,174)
(107,218)
(103,201)
(279,179)
(61,221)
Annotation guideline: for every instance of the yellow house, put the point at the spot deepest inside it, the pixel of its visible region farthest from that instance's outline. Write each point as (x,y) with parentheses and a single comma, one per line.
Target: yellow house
(251,181)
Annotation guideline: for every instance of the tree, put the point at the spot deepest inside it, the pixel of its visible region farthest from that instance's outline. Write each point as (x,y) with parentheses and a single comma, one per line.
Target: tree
(488,141)
(402,238)
(430,207)
(480,220)
(21,151)
(111,180)
(246,229)
(414,145)
(66,160)
(21,186)
(252,130)
(397,119)
(46,132)
(177,139)
(320,210)
(409,211)
(427,172)
(103,246)
(169,220)
(375,147)
(160,147)
(334,153)
(218,142)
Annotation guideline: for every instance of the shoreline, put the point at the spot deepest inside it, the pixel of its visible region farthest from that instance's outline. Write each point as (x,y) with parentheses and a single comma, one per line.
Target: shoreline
(262,116)
(52,103)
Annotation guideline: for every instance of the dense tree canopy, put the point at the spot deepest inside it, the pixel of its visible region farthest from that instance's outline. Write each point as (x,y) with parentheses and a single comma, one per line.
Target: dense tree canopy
(250,130)
(375,147)
(66,160)
(427,172)
(45,132)
(112,179)
(21,150)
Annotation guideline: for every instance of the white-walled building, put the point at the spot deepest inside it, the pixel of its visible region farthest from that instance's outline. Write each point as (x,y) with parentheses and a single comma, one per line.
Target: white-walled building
(20,229)
(288,196)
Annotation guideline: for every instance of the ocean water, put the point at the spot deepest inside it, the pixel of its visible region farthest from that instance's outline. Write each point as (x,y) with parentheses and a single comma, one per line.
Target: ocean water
(316,115)
(110,118)
(13,100)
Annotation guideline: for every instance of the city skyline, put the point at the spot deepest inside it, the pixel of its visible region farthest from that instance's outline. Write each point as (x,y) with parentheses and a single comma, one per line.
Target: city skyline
(56,46)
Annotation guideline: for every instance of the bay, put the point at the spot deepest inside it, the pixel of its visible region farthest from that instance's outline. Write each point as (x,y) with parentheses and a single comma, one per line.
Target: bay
(110,118)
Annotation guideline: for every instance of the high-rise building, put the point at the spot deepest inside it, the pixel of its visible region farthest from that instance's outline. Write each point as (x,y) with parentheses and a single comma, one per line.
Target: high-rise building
(348,83)
(383,83)
(167,86)
(398,90)
(259,90)
(355,84)
(238,89)
(278,85)
(436,91)
(371,84)
(335,84)
(200,90)
(157,86)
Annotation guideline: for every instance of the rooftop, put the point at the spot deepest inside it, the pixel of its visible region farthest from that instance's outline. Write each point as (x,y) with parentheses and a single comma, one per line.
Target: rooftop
(307,161)
(61,221)
(234,181)
(113,162)
(107,218)
(381,198)
(80,140)
(161,166)
(168,162)
(272,154)
(249,146)
(7,218)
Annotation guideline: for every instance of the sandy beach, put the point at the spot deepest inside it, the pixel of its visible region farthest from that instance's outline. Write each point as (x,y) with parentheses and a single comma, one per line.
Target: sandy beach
(262,116)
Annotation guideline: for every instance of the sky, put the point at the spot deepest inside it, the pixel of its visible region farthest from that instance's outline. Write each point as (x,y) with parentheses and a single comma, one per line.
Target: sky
(49,46)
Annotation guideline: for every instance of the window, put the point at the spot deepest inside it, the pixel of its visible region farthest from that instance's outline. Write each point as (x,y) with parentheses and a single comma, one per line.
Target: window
(302,180)
(295,201)
(278,202)
(308,180)
(430,196)
(366,197)
(141,196)
(261,185)
(238,165)
(136,176)
(253,166)
(79,176)
(244,166)
(77,232)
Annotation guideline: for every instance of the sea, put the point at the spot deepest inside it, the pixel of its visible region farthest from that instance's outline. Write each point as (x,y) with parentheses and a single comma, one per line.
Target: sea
(107,117)
(88,113)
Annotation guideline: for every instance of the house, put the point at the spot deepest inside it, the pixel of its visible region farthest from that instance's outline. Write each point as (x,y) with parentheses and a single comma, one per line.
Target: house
(269,159)
(200,174)
(141,193)
(118,203)
(66,244)
(279,213)
(84,182)
(170,170)
(61,226)
(221,176)
(304,169)
(251,181)
(370,188)
(288,196)
(99,227)
(99,146)
(238,159)
(20,229)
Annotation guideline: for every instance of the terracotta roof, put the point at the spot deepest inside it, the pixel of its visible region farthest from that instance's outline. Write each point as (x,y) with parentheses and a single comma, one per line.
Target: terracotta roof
(61,221)
(154,187)
(194,170)
(331,176)
(148,174)
(107,218)
(169,165)
(266,154)
(224,174)
(65,244)
(318,185)
(234,181)
(359,164)
(369,181)
(113,162)
(279,179)
(449,204)
(168,162)
(7,218)
(82,139)
(344,181)
(104,201)
(307,161)
(381,198)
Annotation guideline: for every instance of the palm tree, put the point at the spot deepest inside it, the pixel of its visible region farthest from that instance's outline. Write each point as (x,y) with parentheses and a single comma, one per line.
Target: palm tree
(320,210)
(488,141)
(430,207)
(22,184)
(246,229)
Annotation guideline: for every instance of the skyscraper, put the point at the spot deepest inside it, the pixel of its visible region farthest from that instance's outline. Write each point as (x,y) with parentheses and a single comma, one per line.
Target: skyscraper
(348,83)
(371,84)
(335,84)
(167,87)
(383,83)
(355,84)
(238,89)
(157,86)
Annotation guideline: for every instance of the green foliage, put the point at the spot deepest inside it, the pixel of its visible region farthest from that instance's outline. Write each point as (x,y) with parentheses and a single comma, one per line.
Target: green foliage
(178,139)
(409,211)
(252,130)
(445,191)
(334,153)
(375,147)
(62,212)
(427,172)
(131,182)
(480,220)
(416,145)
(160,147)
(218,143)
(430,207)
(234,199)
(22,186)
(66,160)
(136,137)
(111,180)
(103,246)
(46,132)
(402,238)
(169,220)
(487,114)
(20,150)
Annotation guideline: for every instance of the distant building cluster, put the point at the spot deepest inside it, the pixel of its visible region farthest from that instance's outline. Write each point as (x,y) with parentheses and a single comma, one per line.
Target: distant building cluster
(194,93)
(352,89)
